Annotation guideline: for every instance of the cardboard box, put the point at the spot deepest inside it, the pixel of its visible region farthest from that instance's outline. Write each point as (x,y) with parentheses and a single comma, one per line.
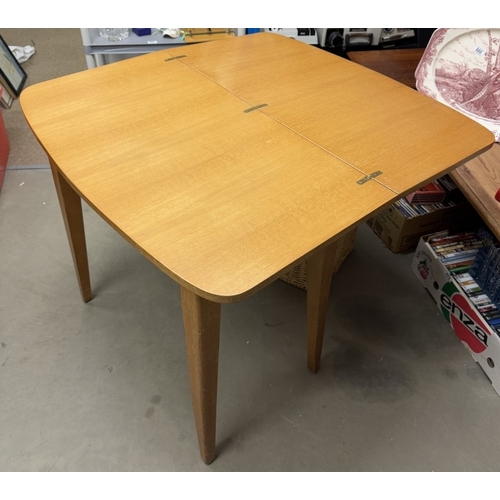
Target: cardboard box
(400,232)
(480,340)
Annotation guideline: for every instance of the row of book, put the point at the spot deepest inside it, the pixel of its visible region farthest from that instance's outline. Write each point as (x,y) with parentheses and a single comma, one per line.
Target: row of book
(488,309)
(438,191)
(414,210)
(441,193)
(458,253)
(459,250)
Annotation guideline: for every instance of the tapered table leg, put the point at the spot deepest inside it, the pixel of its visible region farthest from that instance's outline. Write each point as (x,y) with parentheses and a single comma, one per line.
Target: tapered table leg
(71,208)
(201,329)
(319,278)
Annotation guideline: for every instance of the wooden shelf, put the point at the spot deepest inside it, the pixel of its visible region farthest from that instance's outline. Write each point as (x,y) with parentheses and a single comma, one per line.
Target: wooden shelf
(479,180)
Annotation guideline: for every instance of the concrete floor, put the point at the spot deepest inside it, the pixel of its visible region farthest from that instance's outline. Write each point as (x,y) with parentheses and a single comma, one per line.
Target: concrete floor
(103,386)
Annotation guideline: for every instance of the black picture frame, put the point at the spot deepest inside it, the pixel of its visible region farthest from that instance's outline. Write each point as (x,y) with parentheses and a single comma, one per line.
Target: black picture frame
(11,72)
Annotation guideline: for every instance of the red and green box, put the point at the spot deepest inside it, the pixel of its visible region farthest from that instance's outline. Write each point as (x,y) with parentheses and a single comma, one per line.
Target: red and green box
(480,340)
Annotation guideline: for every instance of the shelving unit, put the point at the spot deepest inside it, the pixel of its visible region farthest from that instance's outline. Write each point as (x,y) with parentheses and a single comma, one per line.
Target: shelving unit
(99,51)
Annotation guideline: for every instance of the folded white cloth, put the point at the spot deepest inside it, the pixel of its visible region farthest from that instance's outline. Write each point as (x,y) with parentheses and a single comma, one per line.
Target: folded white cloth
(22,54)
(171,32)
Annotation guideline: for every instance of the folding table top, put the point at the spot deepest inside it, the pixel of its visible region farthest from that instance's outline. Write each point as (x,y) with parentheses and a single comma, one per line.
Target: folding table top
(226,162)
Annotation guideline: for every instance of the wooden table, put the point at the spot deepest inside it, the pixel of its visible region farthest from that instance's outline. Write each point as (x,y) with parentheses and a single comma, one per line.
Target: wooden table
(220,164)
(398,64)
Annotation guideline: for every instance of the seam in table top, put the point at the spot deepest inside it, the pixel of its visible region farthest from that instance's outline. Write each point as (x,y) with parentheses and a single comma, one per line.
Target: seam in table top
(260,110)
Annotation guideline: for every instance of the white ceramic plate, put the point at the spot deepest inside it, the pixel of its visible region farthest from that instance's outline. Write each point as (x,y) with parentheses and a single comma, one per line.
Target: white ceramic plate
(461,68)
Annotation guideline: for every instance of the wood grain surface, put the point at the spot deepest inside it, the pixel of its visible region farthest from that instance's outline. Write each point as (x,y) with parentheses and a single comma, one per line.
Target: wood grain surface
(202,328)
(371,122)
(71,209)
(223,198)
(479,180)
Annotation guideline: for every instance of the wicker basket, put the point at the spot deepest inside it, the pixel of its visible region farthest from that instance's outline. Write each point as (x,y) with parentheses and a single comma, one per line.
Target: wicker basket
(297,276)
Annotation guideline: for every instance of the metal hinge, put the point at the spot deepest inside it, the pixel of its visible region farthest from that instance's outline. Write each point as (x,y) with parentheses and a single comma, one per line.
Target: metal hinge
(254,108)
(370,177)
(176,57)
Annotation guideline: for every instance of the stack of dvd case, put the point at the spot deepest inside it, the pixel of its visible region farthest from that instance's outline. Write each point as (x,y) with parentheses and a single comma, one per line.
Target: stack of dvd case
(410,210)
(413,206)
(486,271)
(465,256)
